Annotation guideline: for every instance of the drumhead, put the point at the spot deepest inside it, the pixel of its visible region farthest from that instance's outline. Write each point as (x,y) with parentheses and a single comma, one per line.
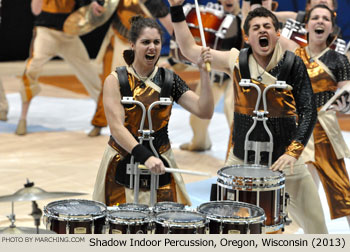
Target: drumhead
(180,217)
(168,205)
(75,207)
(232,210)
(133,206)
(250,176)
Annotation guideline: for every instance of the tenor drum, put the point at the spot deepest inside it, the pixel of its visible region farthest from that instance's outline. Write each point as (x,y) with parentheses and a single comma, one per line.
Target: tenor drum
(230,217)
(167,205)
(180,222)
(75,216)
(126,221)
(258,185)
(134,207)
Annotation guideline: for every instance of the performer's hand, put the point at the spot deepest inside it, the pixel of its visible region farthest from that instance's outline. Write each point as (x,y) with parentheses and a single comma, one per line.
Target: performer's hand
(343,104)
(283,161)
(175,2)
(205,57)
(97,9)
(155,165)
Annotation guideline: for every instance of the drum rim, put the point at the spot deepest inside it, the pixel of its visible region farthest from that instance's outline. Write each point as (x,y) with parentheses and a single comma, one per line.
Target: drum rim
(142,207)
(249,182)
(249,220)
(174,206)
(74,217)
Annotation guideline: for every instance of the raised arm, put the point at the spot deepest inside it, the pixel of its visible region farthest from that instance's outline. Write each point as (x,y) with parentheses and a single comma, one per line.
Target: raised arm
(115,117)
(202,106)
(189,48)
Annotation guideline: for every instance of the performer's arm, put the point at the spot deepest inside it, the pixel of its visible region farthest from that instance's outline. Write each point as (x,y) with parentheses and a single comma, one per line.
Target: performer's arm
(36,6)
(202,106)
(115,117)
(189,48)
(307,115)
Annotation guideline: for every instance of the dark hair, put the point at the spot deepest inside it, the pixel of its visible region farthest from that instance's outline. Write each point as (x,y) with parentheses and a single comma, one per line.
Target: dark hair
(331,37)
(335,4)
(138,23)
(259,12)
(308,14)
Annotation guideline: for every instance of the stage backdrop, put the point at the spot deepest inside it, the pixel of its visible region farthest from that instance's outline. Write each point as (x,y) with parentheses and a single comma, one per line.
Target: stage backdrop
(17,24)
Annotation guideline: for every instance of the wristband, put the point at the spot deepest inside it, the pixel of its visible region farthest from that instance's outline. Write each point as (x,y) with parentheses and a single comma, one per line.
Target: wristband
(141,153)
(255,2)
(177,14)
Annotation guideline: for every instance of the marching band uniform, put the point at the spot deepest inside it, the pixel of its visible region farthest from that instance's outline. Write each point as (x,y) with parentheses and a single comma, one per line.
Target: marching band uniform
(48,41)
(289,137)
(327,149)
(112,182)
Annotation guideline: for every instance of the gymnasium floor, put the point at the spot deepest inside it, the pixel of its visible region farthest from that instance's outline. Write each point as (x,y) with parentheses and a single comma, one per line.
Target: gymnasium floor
(58,156)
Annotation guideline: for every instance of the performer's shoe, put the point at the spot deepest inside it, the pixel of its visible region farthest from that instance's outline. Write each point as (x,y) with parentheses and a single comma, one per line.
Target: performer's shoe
(21,127)
(96,131)
(3,116)
(190,147)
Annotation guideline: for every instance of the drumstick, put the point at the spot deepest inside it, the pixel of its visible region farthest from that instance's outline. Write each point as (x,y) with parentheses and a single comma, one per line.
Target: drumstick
(175,170)
(201,31)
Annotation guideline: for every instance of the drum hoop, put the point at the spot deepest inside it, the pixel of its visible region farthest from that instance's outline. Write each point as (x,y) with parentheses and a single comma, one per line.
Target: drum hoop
(78,217)
(254,187)
(254,220)
(126,222)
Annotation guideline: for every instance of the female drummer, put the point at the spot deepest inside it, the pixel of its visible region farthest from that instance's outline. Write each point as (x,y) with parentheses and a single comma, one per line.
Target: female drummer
(145,83)
(328,71)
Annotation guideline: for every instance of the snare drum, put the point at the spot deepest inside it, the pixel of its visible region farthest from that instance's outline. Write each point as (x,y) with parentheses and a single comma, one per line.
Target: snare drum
(258,185)
(180,222)
(230,217)
(126,221)
(75,216)
(167,205)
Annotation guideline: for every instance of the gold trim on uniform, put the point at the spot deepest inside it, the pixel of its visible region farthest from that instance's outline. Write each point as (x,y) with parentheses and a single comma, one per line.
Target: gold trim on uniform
(295,149)
(58,6)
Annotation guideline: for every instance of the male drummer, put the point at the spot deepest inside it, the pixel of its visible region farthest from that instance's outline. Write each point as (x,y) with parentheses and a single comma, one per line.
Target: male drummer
(264,63)
(49,40)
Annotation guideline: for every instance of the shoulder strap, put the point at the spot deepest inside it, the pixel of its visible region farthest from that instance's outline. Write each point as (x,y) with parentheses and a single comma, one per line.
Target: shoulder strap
(125,89)
(243,63)
(167,85)
(287,66)
(301,17)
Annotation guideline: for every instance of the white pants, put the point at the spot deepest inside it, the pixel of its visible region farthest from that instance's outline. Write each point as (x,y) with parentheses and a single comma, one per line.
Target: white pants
(49,43)
(4,106)
(304,206)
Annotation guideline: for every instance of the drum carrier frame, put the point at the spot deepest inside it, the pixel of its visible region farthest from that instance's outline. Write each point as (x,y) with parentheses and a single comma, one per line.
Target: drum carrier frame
(257,146)
(145,135)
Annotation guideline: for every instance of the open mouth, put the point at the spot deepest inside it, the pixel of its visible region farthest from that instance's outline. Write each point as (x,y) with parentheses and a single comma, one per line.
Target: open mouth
(229,5)
(319,30)
(263,41)
(150,56)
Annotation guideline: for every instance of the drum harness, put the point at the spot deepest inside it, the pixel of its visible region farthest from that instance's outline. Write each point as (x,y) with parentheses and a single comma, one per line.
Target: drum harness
(145,135)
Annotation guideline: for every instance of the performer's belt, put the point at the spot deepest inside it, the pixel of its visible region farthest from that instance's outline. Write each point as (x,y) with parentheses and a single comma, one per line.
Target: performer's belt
(323,97)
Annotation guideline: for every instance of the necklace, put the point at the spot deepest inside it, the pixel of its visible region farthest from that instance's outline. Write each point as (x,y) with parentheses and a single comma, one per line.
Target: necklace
(259,78)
